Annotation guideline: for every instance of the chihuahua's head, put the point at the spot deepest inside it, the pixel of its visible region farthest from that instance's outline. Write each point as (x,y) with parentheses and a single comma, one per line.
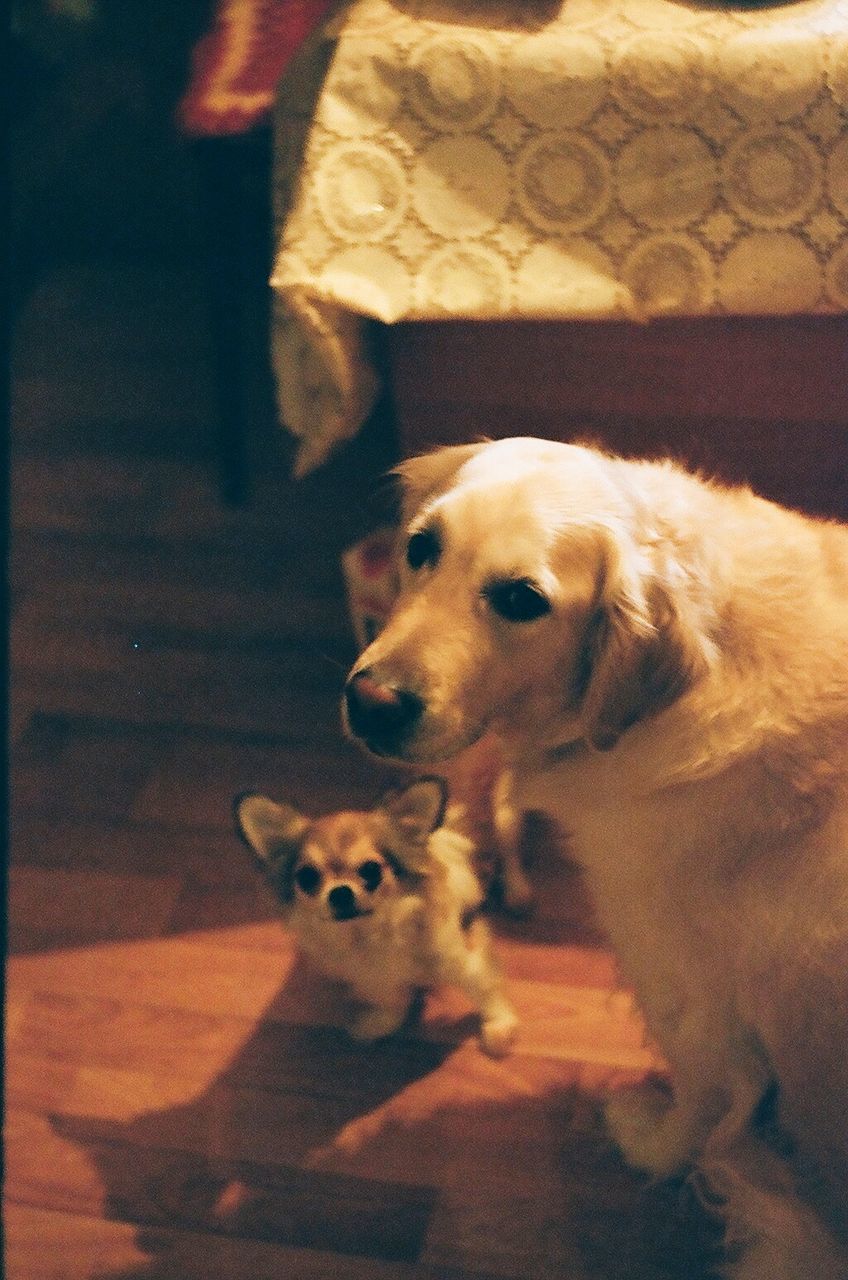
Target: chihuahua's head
(346,865)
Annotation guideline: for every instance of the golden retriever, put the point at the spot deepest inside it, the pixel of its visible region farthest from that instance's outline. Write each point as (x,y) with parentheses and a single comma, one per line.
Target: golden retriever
(666,663)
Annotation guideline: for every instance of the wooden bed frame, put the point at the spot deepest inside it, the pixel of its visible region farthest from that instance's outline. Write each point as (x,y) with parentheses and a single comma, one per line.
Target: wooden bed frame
(762,400)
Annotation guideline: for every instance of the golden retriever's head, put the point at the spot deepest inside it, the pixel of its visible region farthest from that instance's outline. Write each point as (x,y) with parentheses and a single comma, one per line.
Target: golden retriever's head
(530,604)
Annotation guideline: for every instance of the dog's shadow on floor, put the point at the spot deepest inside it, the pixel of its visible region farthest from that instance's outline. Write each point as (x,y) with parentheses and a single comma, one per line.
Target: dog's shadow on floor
(403,1152)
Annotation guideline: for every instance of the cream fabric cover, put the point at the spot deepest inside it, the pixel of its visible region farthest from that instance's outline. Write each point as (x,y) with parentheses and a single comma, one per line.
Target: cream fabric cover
(602,159)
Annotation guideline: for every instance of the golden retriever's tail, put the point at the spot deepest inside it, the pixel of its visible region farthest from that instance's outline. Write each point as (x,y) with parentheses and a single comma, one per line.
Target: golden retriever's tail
(771,1233)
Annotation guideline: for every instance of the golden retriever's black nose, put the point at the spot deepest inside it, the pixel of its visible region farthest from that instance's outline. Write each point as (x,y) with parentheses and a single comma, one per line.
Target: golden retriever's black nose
(379,714)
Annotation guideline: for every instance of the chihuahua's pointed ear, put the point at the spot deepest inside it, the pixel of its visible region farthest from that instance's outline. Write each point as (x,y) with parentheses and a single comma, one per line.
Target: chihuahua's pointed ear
(642,653)
(412,814)
(424,476)
(275,834)
(271,830)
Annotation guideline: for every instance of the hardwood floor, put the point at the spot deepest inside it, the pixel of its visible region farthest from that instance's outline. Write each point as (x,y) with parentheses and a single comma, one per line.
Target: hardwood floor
(179,1102)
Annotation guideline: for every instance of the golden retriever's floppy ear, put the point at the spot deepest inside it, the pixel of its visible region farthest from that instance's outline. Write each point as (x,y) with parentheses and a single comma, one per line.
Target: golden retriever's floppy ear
(275,834)
(427,474)
(642,653)
(411,814)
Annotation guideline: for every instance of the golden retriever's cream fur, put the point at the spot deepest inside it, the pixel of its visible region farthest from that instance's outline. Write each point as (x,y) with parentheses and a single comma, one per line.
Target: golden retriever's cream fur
(666,663)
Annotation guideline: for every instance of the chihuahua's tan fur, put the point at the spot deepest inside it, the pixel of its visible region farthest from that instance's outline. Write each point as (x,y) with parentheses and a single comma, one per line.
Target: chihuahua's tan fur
(386,902)
(665,661)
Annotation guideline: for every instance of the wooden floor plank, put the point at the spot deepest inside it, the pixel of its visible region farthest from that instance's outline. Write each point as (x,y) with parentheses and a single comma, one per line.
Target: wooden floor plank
(568,1022)
(124,846)
(44,1245)
(55,908)
(155,1187)
(480,1135)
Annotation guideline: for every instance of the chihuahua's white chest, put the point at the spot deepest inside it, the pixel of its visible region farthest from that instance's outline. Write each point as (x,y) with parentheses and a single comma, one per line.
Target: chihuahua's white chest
(372,953)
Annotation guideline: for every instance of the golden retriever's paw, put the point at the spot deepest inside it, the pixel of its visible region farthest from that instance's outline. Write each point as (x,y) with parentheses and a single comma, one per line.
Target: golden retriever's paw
(649,1129)
(376,1024)
(498,1032)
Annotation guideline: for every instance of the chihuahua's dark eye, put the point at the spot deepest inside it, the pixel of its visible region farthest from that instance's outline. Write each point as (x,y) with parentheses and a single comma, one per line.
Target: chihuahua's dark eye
(371,873)
(308,879)
(518,600)
(423,548)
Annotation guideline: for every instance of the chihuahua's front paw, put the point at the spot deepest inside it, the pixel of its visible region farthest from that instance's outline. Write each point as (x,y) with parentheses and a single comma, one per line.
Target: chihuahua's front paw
(375,1024)
(498,1032)
(649,1129)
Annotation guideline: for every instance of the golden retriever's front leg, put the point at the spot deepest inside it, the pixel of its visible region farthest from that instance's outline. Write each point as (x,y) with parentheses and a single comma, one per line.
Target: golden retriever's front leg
(467,959)
(508,823)
(657,1133)
(661,1130)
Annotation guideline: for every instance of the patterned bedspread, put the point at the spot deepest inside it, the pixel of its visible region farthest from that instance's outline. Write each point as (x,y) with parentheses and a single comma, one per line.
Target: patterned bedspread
(594,159)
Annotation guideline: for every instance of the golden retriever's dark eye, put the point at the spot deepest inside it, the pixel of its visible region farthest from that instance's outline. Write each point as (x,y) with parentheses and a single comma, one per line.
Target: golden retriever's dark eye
(423,548)
(518,600)
(308,880)
(371,873)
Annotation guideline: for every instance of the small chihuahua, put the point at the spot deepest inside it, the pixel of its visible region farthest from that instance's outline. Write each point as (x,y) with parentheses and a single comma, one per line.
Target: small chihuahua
(386,901)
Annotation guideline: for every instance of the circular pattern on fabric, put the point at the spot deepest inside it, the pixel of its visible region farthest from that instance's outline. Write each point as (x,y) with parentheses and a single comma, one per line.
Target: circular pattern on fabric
(837,275)
(775,74)
(837,73)
(659,77)
(463,281)
(666,177)
(361,190)
(564,182)
(772,178)
(358,98)
(837,176)
(453,83)
(670,275)
(460,187)
(556,80)
(770,273)
(569,278)
(368,278)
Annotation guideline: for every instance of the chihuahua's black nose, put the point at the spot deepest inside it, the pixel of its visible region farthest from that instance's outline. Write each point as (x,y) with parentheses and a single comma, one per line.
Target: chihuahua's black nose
(342,902)
(379,714)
